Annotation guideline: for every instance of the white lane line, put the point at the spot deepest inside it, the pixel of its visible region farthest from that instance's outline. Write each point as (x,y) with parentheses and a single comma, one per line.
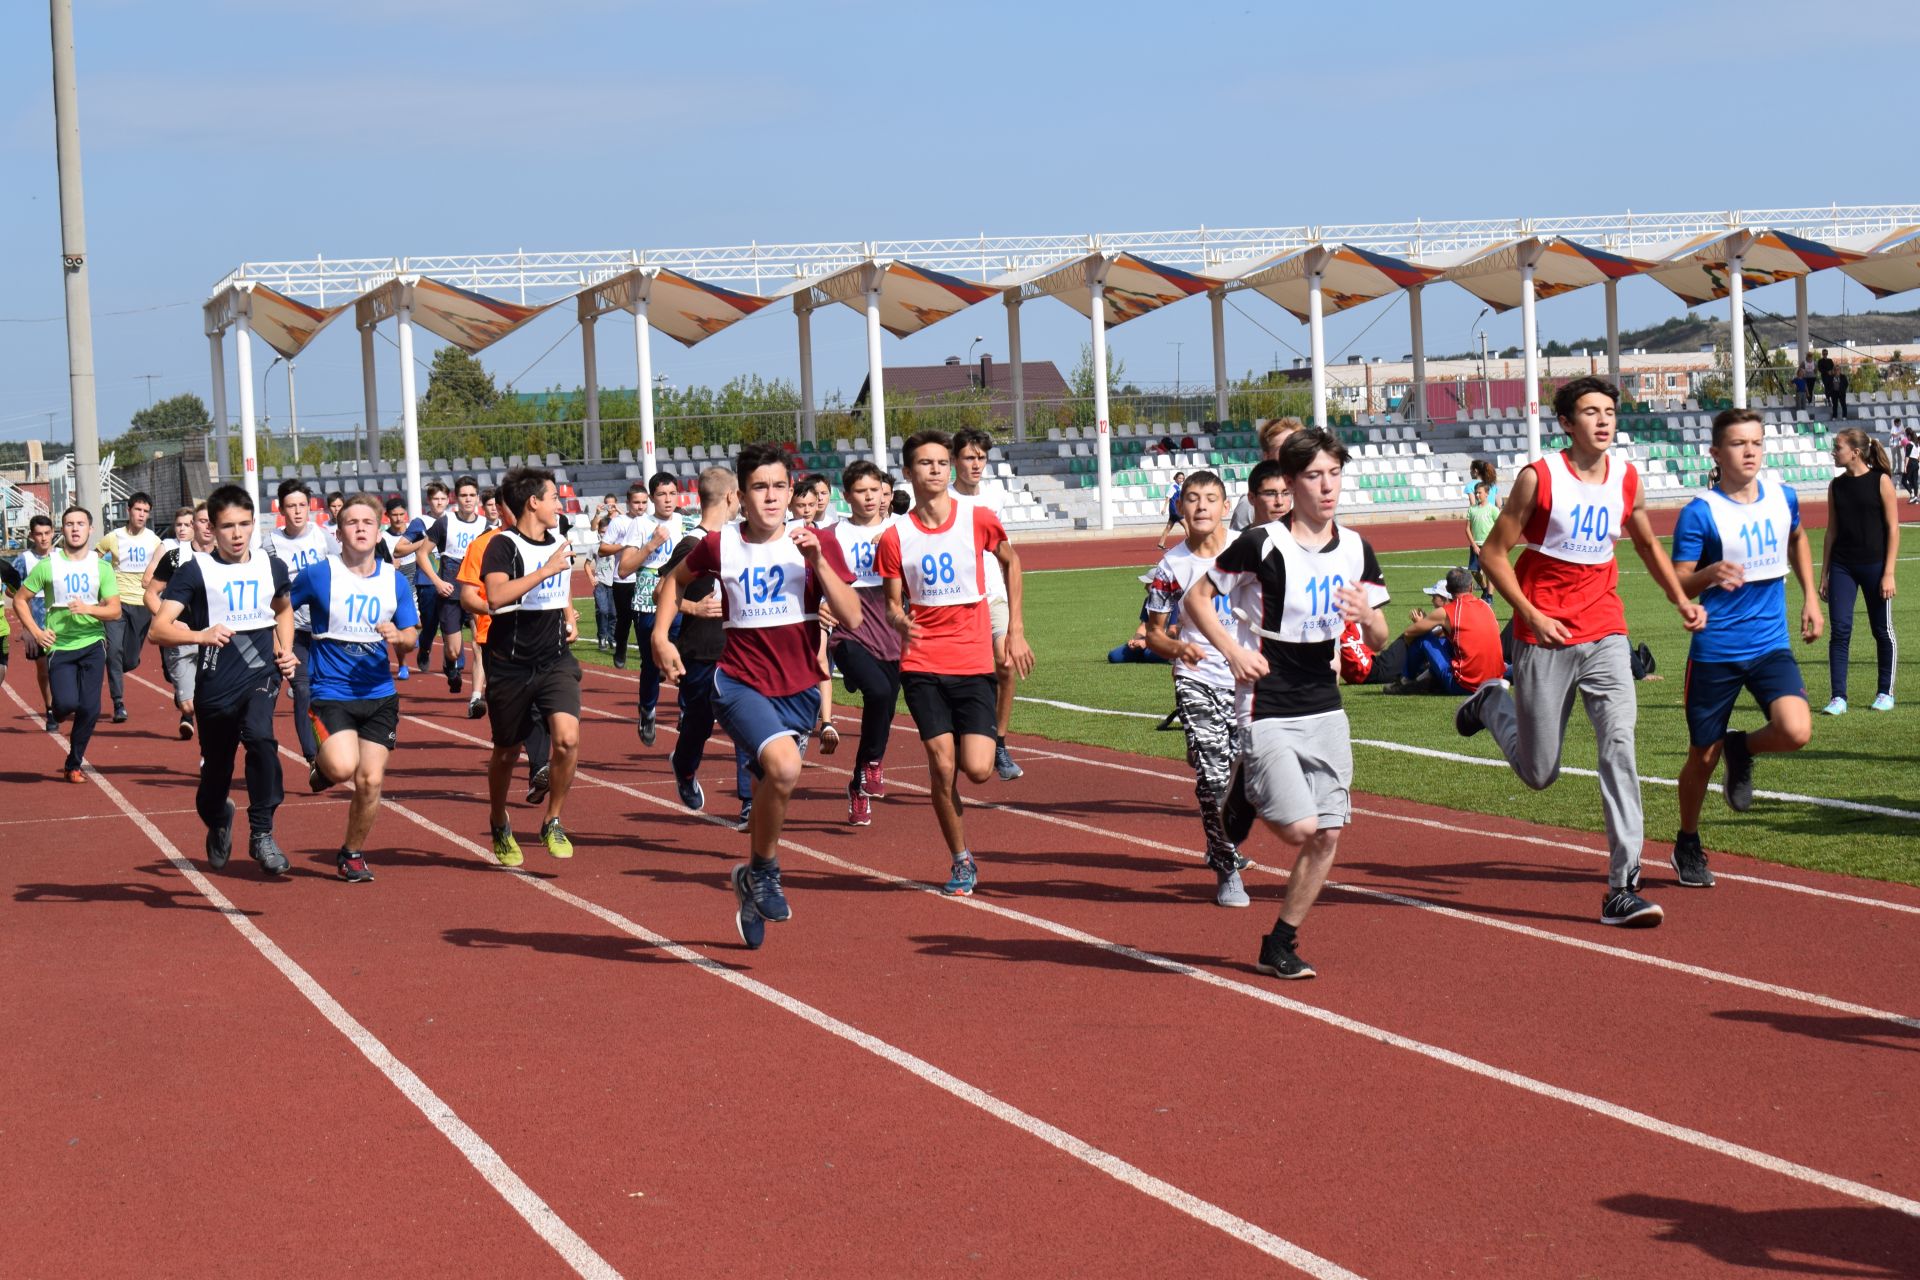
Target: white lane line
(573,1250)
(1599,1106)
(1113,1166)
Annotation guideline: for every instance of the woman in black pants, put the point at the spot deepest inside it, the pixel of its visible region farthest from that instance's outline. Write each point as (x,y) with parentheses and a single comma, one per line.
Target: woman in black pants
(1863,542)
(867,653)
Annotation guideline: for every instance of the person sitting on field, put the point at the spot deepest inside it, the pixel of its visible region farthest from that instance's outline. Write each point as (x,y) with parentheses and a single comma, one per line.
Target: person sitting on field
(1454,647)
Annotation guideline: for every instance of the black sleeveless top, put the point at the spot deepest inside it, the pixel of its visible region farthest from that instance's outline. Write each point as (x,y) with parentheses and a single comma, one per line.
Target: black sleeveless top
(1856,522)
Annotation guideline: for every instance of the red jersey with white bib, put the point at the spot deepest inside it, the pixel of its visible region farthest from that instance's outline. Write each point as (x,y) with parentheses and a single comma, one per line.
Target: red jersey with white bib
(771,605)
(945,584)
(1568,569)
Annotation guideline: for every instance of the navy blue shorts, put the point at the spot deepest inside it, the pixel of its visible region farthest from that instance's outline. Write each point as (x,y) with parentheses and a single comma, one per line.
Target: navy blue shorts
(1714,687)
(752,719)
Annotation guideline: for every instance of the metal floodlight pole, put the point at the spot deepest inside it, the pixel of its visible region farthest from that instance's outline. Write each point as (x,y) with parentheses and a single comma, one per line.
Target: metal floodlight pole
(643,361)
(370,391)
(1417,333)
(1097,282)
(1018,381)
(1802,332)
(1737,321)
(1530,356)
(803,316)
(243,370)
(293,416)
(217,358)
(73,259)
(409,411)
(876,389)
(1612,289)
(1317,334)
(1217,301)
(590,446)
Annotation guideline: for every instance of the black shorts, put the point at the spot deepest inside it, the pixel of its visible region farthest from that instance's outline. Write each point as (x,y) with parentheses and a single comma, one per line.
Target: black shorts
(375,720)
(950,704)
(517,696)
(452,616)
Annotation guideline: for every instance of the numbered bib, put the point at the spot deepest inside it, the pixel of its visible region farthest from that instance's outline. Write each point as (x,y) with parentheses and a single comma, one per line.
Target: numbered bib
(135,551)
(400,562)
(74,581)
(765,582)
(1753,534)
(857,546)
(1174,577)
(549,593)
(239,596)
(460,535)
(356,606)
(942,568)
(1311,612)
(1582,520)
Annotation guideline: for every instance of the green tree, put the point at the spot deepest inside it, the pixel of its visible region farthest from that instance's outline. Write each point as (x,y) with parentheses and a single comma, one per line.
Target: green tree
(169,420)
(458,388)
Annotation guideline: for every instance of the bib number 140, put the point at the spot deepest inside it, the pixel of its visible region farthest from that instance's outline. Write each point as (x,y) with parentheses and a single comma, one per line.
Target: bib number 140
(1591,524)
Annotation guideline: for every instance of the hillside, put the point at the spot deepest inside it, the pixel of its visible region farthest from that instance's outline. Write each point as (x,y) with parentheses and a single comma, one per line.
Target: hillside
(1693,331)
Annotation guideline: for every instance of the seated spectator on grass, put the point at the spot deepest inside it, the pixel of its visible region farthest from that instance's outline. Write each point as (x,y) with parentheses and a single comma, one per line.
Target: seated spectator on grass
(1135,649)
(1454,647)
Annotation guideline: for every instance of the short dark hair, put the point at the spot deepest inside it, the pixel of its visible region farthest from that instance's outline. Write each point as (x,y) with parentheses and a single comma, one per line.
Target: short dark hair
(1264,470)
(227,495)
(902,502)
(135,498)
(463,482)
(1201,479)
(1732,418)
(972,436)
(864,469)
(519,486)
(810,481)
(920,439)
(41,521)
(336,495)
(433,487)
(1481,486)
(637,489)
(660,478)
(752,457)
(71,510)
(396,504)
(290,487)
(488,494)
(1306,444)
(1567,398)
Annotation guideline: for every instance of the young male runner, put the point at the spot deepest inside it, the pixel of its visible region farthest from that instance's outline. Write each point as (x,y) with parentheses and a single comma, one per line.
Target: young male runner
(531,671)
(130,549)
(232,603)
(700,643)
(603,574)
(426,597)
(39,547)
(473,599)
(613,537)
(300,544)
(932,559)
(971,449)
(359,606)
(766,686)
(1273,434)
(1732,548)
(868,653)
(82,594)
(405,563)
(192,534)
(1316,578)
(1568,509)
(451,535)
(1203,683)
(650,539)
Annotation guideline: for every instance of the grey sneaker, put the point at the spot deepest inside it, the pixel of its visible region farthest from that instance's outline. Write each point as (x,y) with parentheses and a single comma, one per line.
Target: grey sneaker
(1231,893)
(267,853)
(1627,908)
(1690,861)
(220,841)
(1003,763)
(1738,785)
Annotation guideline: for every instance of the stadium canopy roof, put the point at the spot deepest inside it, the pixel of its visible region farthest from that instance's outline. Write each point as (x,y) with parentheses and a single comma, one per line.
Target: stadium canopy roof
(1890,263)
(1132,286)
(1698,268)
(687,310)
(287,324)
(1352,275)
(911,298)
(1561,265)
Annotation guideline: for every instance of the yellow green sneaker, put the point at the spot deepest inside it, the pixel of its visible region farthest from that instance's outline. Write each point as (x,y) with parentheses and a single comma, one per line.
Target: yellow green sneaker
(506,850)
(554,836)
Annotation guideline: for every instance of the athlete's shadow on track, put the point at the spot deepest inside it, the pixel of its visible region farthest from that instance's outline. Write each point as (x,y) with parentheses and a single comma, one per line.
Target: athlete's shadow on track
(1843,1241)
(589,946)
(1441,881)
(320,864)
(799,878)
(135,892)
(1048,951)
(1872,1033)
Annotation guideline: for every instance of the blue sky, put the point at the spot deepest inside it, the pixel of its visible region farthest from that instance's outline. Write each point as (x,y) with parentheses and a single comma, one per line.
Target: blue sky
(218,132)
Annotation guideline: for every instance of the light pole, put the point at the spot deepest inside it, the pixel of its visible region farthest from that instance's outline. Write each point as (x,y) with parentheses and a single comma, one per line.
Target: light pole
(976,342)
(1486,387)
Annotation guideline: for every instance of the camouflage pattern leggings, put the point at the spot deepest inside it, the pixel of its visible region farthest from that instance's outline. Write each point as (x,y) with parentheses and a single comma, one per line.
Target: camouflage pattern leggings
(1213,747)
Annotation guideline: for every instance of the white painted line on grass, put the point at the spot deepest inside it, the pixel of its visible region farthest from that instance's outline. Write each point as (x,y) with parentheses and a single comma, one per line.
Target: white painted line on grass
(573,1250)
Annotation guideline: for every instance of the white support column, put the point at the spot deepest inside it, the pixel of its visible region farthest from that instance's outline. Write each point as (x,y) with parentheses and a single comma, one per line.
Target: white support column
(370,390)
(293,417)
(1217,300)
(1801,330)
(1416,325)
(803,315)
(1737,324)
(590,448)
(217,354)
(876,392)
(643,360)
(1097,279)
(1530,352)
(1612,288)
(409,411)
(243,369)
(1317,334)
(1013,357)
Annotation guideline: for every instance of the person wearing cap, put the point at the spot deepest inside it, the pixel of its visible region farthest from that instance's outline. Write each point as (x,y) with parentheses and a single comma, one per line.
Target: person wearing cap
(1454,647)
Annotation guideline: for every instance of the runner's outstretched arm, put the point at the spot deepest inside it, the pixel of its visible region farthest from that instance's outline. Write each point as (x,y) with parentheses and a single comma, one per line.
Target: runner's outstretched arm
(1019,655)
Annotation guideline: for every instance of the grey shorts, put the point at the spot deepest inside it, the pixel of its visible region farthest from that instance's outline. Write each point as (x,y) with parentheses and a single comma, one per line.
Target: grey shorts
(183,668)
(998,614)
(1298,769)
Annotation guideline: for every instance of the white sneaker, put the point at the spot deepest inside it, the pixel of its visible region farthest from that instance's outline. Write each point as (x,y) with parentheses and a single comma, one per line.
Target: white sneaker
(1838,707)
(1883,702)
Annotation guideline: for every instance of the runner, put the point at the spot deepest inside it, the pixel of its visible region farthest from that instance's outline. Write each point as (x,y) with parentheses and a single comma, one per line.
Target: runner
(473,599)
(131,550)
(932,559)
(1732,548)
(191,534)
(603,574)
(700,641)
(405,564)
(426,597)
(766,683)
(1203,683)
(972,448)
(359,608)
(613,537)
(232,602)
(1273,434)
(451,535)
(533,674)
(1267,500)
(1316,578)
(868,654)
(81,593)
(300,544)
(650,540)
(1568,509)
(39,546)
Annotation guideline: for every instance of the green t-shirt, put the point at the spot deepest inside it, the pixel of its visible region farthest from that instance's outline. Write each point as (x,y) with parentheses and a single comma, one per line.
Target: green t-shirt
(1480,521)
(90,578)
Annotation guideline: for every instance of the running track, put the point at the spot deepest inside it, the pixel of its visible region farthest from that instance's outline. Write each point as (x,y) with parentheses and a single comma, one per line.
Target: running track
(460,1069)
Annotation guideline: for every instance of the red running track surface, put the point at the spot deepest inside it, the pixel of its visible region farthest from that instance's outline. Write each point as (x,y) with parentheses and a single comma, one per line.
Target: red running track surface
(1482,1078)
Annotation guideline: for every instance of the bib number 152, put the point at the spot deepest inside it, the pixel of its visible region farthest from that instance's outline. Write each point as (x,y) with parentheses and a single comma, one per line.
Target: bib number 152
(757,586)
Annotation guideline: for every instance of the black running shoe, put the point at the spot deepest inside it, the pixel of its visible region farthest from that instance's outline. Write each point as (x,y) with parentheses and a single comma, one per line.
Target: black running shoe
(453,679)
(119,713)
(476,707)
(1466,717)
(649,727)
(539,785)
(186,727)
(1690,861)
(316,780)
(1238,814)
(1280,960)
(1626,908)
(267,853)
(53,723)
(1738,783)
(692,794)
(220,841)
(353,867)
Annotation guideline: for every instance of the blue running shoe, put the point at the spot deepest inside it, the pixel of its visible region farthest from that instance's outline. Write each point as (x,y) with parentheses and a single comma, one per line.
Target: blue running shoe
(691,793)
(746,917)
(763,881)
(965,876)
(404,673)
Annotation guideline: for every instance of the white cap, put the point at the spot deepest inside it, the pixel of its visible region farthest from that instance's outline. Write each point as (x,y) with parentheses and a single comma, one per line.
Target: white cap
(1439,589)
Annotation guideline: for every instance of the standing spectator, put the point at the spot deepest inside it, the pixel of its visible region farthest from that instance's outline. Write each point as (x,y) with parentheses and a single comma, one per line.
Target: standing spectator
(1173,509)
(1838,394)
(1824,369)
(1803,377)
(1480,518)
(1863,542)
(1910,472)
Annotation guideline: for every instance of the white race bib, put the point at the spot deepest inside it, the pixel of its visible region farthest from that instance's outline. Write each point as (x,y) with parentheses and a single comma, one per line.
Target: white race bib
(1311,611)
(356,606)
(858,544)
(1753,534)
(942,568)
(1583,520)
(549,593)
(765,582)
(239,596)
(74,581)
(460,536)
